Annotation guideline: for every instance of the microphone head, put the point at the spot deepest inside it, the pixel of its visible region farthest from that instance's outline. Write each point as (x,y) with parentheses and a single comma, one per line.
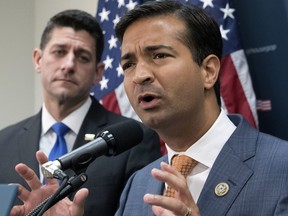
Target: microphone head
(125,135)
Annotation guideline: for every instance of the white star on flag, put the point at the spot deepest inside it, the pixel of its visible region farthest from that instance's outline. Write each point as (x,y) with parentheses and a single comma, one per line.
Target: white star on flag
(108,62)
(131,5)
(207,3)
(120,71)
(104,15)
(228,12)
(104,83)
(121,3)
(112,42)
(116,20)
(224,32)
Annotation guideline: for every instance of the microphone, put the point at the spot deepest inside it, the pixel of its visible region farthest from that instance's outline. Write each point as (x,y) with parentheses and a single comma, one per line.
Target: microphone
(113,140)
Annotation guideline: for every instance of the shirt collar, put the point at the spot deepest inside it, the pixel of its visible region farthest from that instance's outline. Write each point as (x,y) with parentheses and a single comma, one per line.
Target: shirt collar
(206,149)
(73,120)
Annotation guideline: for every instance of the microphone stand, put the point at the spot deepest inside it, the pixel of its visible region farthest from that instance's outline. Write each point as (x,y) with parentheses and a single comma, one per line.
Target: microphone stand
(67,187)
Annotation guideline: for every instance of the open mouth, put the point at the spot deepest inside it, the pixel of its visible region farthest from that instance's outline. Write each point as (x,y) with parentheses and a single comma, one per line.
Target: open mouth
(148,101)
(148,98)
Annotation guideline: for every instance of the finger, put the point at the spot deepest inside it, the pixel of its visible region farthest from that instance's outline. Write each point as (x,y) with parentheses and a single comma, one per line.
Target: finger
(177,181)
(174,205)
(166,202)
(17,210)
(159,211)
(166,167)
(28,175)
(79,200)
(166,172)
(173,178)
(23,193)
(41,157)
(52,181)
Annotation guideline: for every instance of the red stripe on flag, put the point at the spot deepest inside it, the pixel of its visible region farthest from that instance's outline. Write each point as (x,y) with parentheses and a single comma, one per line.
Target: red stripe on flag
(232,91)
(110,102)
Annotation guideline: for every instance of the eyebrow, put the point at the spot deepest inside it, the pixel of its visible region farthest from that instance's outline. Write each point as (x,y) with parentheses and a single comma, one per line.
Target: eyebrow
(58,45)
(130,55)
(77,50)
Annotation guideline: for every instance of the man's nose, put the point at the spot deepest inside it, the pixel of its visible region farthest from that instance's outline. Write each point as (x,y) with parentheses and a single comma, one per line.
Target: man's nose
(68,62)
(143,73)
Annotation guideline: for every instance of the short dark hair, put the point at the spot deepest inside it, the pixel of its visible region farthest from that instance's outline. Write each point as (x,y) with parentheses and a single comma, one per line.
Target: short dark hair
(78,20)
(202,37)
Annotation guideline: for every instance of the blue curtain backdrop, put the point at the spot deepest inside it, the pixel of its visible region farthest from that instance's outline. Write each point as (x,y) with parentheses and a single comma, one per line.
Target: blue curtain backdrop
(263,28)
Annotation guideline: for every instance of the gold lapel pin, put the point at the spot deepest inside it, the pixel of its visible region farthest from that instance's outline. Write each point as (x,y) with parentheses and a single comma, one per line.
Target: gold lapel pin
(221,189)
(89,137)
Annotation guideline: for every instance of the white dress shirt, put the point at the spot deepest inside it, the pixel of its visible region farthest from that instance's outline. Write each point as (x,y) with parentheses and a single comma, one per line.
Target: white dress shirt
(205,151)
(73,121)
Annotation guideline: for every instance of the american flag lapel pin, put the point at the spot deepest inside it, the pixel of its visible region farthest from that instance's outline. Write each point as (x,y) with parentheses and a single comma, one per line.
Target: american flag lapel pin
(89,137)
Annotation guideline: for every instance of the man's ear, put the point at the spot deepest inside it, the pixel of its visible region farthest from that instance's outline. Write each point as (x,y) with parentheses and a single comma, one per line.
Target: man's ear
(211,67)
(98,73)
(37,56)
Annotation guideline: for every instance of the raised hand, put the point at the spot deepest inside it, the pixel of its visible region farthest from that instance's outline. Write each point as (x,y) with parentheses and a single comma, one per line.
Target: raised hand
(40,192)
(183,203)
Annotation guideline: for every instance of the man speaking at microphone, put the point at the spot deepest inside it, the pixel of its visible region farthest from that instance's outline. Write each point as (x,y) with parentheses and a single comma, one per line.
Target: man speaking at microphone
(220,165)
(68,62)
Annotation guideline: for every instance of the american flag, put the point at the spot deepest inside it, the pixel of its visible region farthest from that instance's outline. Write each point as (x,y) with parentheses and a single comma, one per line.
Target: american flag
(110,90)
(236,87)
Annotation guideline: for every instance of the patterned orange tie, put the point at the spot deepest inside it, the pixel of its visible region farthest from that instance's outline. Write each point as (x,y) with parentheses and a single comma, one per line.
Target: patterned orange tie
(182,164)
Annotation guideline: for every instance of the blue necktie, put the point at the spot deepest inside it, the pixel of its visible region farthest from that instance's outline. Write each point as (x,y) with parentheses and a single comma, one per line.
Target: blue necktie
(60,146)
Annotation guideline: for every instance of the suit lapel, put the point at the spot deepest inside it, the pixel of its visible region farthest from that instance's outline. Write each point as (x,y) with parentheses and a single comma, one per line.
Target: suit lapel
(229,168)
(28,142)
(154,186)
(94,121)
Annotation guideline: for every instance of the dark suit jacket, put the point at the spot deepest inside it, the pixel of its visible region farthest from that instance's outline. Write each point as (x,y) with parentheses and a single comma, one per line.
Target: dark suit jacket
(106,175)
(253,164)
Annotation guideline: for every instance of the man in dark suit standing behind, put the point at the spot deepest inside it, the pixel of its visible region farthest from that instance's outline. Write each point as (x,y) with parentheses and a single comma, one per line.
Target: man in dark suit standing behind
(68,62)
